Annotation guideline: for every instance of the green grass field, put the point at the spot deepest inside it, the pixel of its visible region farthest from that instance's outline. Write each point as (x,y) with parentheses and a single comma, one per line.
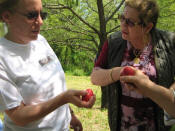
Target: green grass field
(93,119)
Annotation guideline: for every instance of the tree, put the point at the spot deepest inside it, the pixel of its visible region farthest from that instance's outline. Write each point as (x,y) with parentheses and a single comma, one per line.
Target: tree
(80,30)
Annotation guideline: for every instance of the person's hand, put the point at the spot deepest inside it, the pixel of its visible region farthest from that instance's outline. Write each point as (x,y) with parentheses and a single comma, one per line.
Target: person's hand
(74,97)
(75,123)
(139,81)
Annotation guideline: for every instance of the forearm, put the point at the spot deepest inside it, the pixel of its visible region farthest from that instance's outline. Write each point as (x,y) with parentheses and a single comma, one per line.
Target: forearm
(25,114)
(163,97)
(103,77)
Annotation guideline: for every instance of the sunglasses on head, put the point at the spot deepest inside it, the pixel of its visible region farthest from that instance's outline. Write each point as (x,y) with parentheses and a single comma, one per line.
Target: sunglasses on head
(128,22)
(34,15)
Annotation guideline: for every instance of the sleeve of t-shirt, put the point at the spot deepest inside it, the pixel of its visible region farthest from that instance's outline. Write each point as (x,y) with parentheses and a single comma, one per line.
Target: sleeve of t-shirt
(102,59)
(9,95)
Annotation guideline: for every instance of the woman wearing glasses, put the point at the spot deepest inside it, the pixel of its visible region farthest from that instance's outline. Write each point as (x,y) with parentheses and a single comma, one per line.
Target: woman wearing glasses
(141,45)
(33,92)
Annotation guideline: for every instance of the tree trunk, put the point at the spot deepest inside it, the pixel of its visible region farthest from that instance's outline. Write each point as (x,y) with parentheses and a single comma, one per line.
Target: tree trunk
(103,37)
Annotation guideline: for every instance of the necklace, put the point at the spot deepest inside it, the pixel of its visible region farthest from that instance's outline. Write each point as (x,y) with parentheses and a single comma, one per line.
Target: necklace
(137,54)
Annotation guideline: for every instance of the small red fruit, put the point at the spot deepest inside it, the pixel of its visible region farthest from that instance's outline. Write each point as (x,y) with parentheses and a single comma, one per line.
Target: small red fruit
(127,71)
(88,95)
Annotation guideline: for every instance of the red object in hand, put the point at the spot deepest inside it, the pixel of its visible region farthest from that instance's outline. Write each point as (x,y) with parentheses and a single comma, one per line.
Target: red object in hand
(128,71)
(88,95)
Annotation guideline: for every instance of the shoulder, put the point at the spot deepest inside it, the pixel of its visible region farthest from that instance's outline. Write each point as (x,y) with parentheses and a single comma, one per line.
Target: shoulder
(41,38)
(163,32)
(115,40)
(44,43)
(163,39)
(166,35)
(5,47)
(2,41)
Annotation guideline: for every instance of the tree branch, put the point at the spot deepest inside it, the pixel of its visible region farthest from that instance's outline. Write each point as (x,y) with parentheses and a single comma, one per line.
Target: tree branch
(60,6)
(113,29)
(91,7)
(115,11)
(80,46)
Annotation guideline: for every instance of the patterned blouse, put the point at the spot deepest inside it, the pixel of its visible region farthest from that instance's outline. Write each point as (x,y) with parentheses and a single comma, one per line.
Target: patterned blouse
(137,110)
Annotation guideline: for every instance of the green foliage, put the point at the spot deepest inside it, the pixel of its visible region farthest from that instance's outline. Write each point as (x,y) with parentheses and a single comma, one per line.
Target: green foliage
(167,15)
(73,30)
(74,42)
(2,30)
(71,2)
(173,128)
(75,72)
(76,62)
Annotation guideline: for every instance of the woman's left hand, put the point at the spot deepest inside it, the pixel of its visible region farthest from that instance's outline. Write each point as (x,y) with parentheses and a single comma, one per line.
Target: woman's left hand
(75,123)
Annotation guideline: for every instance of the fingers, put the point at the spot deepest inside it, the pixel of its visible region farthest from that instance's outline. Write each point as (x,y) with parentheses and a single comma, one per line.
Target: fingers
(130,86)
(79,92)
(91,102)
(127,79)
(76,99)
(87,104)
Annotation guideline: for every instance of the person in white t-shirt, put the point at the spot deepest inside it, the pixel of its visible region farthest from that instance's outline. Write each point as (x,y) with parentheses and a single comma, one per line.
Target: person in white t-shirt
(33,92)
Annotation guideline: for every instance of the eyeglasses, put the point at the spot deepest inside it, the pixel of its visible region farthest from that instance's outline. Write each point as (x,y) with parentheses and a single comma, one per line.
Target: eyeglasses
(34,15)
(128,22)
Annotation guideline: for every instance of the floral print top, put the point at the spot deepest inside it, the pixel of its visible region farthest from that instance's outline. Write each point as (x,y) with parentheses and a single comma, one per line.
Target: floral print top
(137,111)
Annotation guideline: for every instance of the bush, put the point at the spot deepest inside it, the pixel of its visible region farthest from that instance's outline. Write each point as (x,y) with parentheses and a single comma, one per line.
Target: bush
(75,72)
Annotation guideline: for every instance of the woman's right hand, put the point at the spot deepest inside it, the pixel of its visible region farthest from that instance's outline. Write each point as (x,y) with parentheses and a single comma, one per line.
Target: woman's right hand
(139,79)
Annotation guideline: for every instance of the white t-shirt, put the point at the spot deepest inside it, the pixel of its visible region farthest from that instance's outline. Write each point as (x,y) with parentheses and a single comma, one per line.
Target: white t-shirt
(32,73)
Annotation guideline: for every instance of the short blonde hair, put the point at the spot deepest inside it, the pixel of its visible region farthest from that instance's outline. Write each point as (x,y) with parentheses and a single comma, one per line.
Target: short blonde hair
(148,10)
